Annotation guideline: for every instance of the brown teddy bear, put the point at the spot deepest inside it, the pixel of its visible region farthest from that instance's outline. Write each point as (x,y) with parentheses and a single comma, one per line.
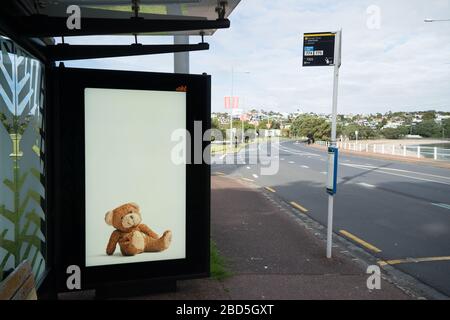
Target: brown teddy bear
(133,236)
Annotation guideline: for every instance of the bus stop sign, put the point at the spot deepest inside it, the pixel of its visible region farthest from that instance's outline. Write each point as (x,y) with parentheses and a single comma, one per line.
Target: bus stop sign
(318,49)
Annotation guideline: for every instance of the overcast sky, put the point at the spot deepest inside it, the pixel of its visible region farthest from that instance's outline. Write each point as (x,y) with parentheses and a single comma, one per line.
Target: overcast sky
(403,65)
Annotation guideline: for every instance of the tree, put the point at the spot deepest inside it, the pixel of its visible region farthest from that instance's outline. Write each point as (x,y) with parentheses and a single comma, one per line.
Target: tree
(363,132)
(304,125)
(273,124)
(215,124)
(429,115)
(445,128)
(428,129)
(382,123)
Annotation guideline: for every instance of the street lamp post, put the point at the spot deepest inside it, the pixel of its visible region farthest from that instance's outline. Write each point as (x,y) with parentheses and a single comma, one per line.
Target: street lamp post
(232,99)
(231,107)
(242,122)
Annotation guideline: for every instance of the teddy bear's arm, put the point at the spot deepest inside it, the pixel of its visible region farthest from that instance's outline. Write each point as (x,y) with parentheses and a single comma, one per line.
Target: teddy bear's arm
(145,229)
(113,239)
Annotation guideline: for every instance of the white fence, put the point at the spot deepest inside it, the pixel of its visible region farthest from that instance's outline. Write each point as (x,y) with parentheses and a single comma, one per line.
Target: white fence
(415,151)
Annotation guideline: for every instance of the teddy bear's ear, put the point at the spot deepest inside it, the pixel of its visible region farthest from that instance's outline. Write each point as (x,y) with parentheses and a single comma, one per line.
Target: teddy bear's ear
(109,218)
(134,205)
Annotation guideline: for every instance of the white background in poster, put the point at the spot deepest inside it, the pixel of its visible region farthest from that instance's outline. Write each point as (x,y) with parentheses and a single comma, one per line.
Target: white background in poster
(128,159)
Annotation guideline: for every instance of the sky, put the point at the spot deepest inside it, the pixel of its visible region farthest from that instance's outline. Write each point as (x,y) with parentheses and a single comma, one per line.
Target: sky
(391,59)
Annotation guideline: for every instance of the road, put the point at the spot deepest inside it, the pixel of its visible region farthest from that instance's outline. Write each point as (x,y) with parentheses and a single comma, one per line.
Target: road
(397,211)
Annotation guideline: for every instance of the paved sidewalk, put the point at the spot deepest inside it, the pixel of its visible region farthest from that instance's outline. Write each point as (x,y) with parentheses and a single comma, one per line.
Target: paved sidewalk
(271,255)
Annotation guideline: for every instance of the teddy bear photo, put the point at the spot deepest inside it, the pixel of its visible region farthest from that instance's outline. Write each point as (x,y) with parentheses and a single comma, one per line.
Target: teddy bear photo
(133,236)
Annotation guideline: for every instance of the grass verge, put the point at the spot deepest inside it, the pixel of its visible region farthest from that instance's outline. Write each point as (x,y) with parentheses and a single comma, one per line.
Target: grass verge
(218,264)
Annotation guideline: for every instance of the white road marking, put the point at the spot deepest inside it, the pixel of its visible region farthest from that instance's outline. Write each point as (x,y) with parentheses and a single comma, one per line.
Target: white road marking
(282,159)
(303,166)
(367,185)
(324,172)
(291,162)
(442,205)
(255,176)
(399,170)
(297,152)
(248,168)
(381,170)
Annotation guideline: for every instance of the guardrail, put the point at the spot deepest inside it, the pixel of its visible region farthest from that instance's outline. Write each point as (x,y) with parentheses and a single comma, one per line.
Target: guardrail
(424,152)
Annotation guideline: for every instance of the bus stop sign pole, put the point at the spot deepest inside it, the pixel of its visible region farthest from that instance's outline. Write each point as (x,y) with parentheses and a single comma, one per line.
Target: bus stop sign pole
(332,151)
(324,49)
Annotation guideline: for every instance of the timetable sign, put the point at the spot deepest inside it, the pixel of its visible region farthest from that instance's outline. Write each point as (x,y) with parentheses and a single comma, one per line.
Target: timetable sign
(318,49)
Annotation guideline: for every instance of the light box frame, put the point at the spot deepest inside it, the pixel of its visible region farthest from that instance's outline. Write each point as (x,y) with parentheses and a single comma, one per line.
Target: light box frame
(68,158)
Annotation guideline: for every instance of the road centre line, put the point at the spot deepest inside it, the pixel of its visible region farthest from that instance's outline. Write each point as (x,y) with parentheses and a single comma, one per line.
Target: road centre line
(218,173)
(359,241)
(255,176)
(412,260)
(249,180)
(305,167)
(299,207)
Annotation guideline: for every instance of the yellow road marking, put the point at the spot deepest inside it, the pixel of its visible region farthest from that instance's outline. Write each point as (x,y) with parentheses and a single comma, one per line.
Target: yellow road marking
(250,180)
(219,173)
(413,260)
(299,207)
(270,189)
(360,241)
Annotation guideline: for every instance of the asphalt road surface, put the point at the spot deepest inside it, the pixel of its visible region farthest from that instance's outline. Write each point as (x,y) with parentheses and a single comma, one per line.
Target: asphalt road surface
(397,211)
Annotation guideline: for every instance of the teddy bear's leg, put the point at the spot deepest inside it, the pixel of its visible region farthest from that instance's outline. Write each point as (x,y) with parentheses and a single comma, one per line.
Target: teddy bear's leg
(135,244)
(156,245)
